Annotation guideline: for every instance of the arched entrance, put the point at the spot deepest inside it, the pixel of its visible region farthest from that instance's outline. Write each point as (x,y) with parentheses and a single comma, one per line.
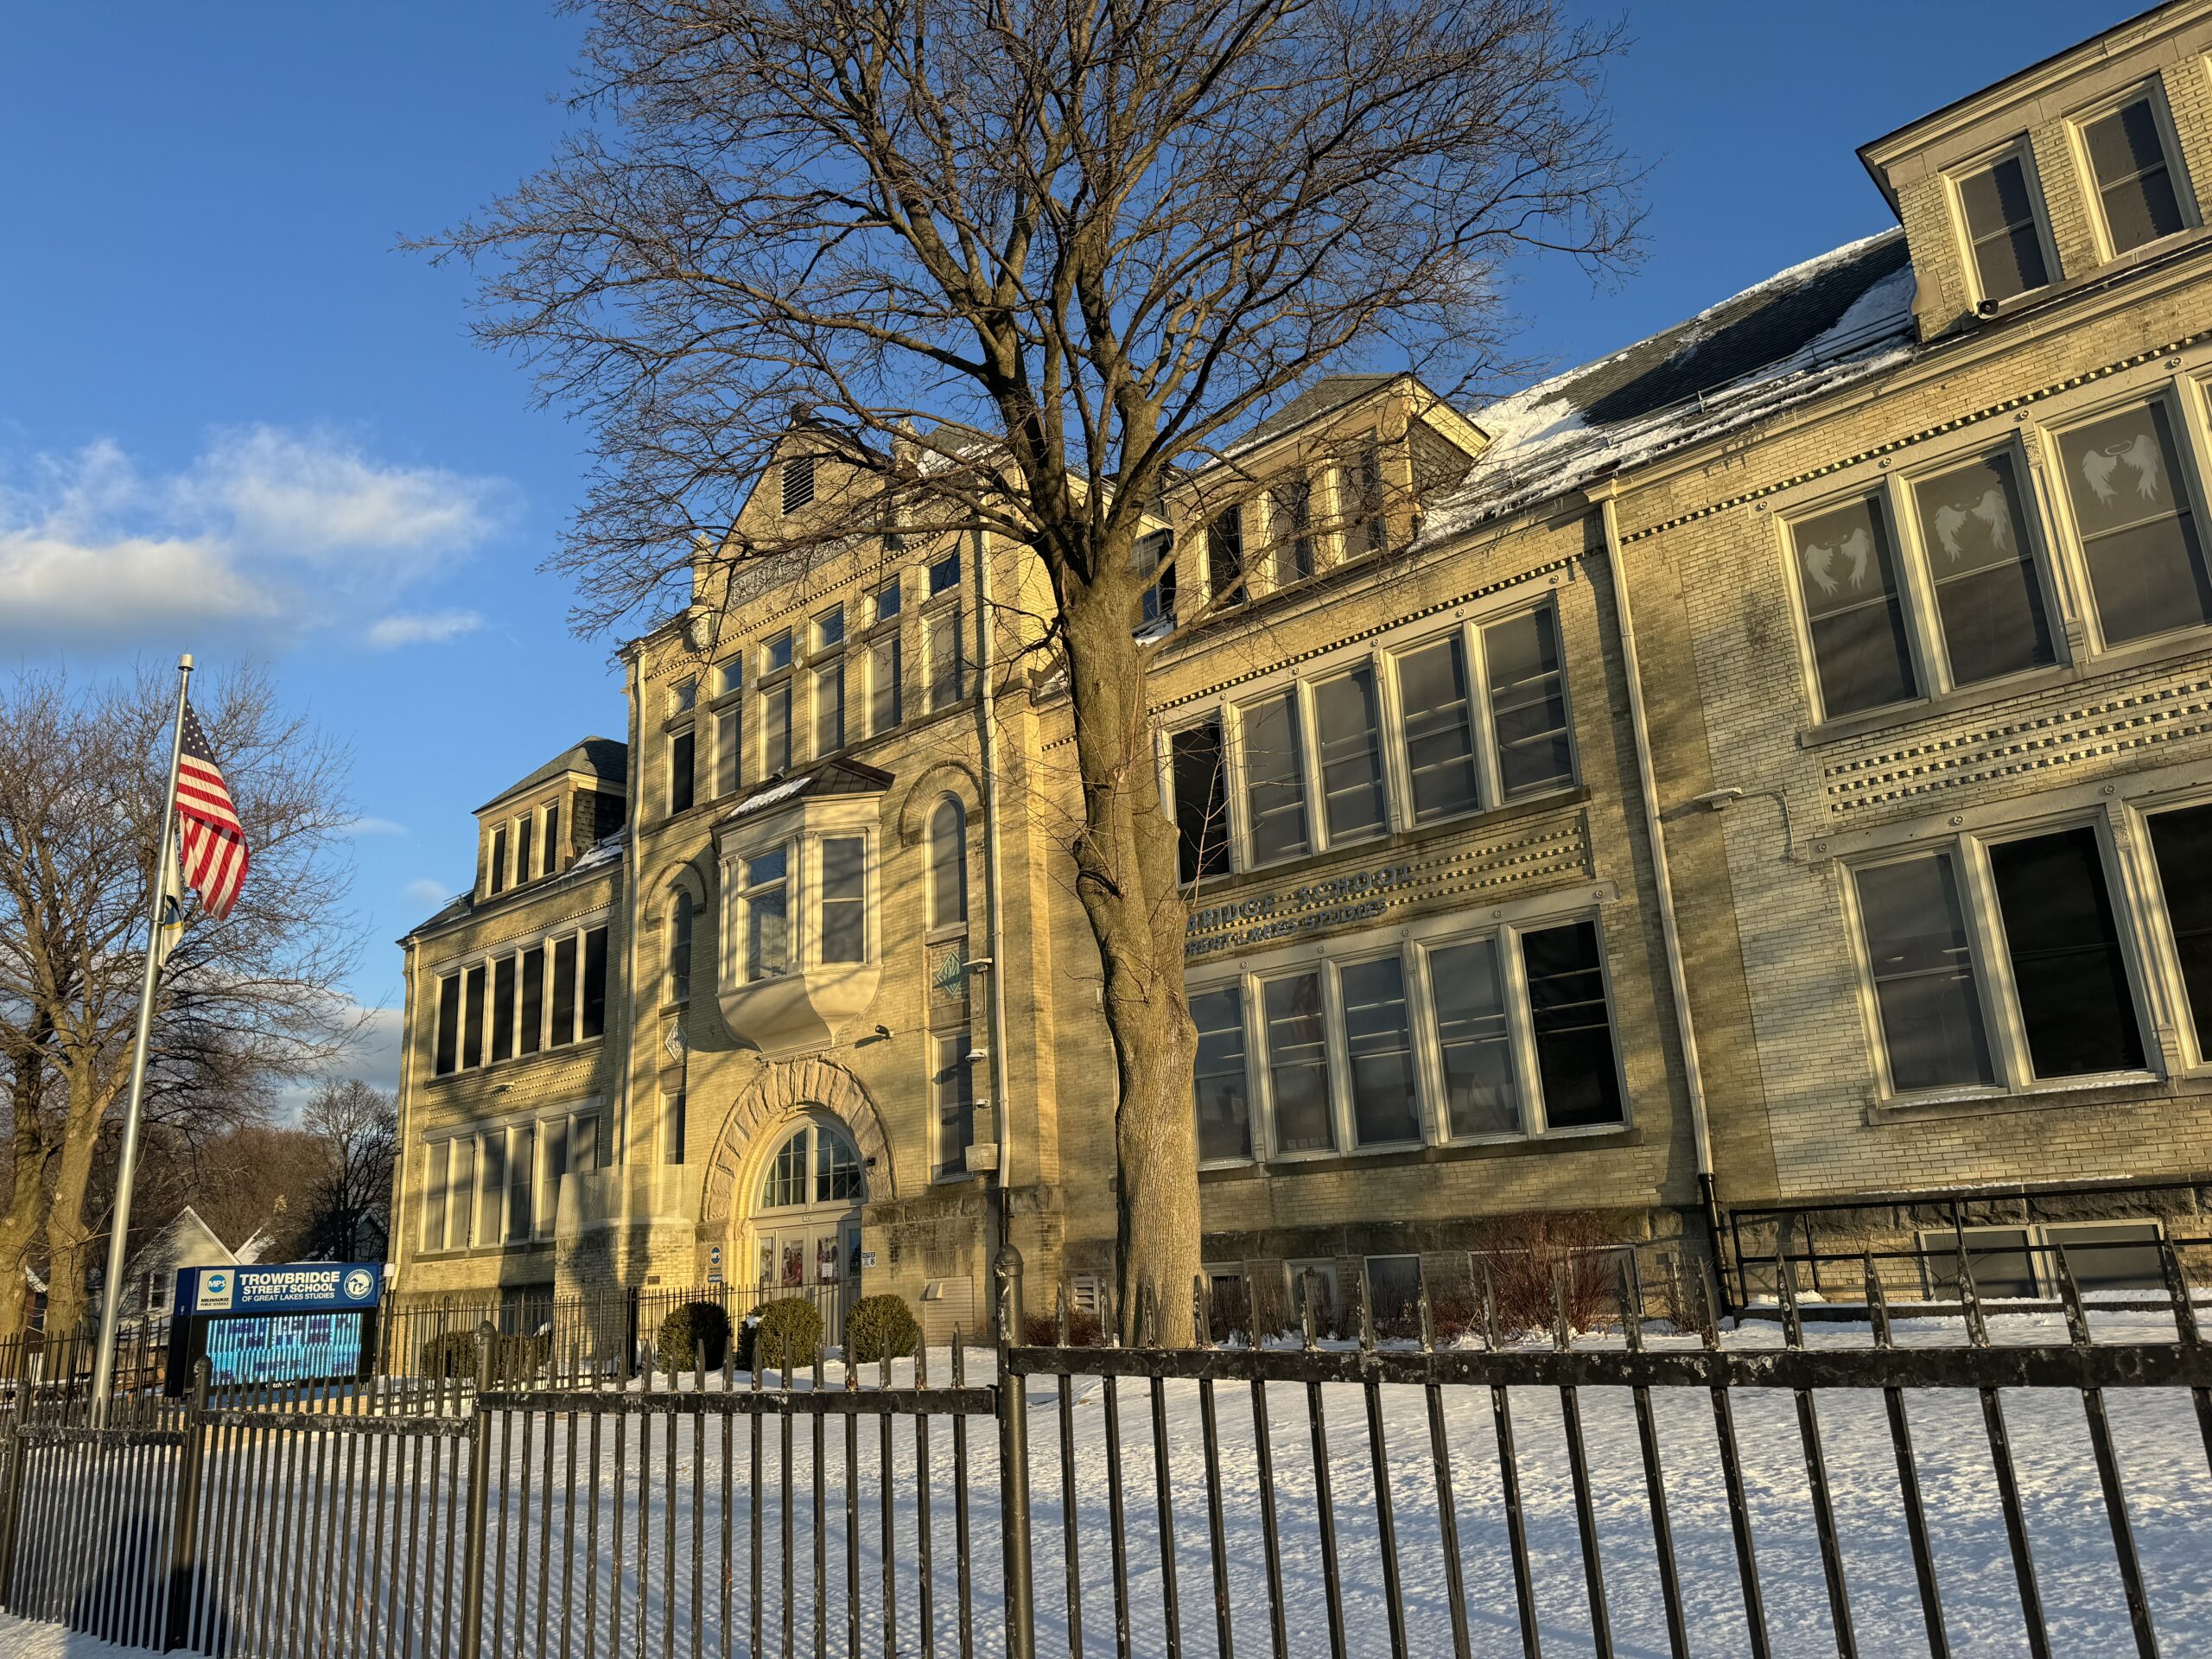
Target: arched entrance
(803,1231)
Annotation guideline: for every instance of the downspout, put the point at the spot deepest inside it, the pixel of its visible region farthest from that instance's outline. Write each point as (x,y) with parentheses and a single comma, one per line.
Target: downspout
(993,935)
(1670,936)
(633,811)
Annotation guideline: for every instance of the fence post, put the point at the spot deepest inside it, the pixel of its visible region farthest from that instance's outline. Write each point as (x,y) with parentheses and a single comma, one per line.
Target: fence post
(1013,1463)
(184,1528)
(18,1453)
(480,1481)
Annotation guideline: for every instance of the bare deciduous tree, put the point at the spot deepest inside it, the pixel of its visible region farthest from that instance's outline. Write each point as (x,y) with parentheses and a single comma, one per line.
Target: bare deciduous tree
(250,999)
(1022,266)
(357,1128)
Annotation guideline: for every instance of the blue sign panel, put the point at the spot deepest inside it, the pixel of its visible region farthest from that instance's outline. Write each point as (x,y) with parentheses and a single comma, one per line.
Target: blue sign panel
(294,1287)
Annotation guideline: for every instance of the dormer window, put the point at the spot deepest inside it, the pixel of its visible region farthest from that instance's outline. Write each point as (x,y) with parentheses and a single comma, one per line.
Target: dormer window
(1225,557)
(2131,166)
(1371,527)
(2005,237)
(1291,530)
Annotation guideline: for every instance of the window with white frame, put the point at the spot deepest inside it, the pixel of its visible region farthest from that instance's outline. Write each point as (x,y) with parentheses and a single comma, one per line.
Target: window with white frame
(1155,558)
(2181,848)
(764,905)
(525,852)
(1979,550)
(683,769)
(503,1006)
(2129,484)
(826,677)
(729,728)
(1225,584)
(1479,718)
(2002,219)
(844,899)
(679,946)
(496,860)
(1997,961)
(549,860)
(500,1184)
(1855,612)
(1290,531)
(947,653)
(944,573)
(2130,156)
(948,866)
(1364,486)
(886,659)
(1508,1033)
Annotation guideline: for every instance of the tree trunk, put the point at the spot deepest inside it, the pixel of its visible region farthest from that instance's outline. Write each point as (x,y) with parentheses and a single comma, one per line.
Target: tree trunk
(68,1238)
(1126,876)
(26,1197)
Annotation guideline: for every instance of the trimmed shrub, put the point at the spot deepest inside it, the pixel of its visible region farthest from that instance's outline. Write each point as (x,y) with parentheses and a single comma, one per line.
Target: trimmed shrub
(789,1336)
(449,1354)
(693,1334)
(1043,1329)
(878,1328)
(452,1354)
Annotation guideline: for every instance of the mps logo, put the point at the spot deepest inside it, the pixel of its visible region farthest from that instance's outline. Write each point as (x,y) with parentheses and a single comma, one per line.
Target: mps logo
(217,1287)
(359,1284)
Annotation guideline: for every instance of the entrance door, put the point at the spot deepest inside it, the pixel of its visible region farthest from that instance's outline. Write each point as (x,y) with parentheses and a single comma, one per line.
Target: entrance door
(806,1228)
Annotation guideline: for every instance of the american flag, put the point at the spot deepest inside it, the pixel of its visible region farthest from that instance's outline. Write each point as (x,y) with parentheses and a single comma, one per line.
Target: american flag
(213,844)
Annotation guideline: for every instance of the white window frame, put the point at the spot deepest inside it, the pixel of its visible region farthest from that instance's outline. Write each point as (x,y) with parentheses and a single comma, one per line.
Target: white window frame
(438,1146)
(517,947)
(2151,91)
(2038,203)
(794,909)
(811,841)
(2161,956)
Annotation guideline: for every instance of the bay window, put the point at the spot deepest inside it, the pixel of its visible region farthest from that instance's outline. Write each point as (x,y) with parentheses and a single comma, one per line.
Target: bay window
(844,899)
(767,925)
(1451,1037)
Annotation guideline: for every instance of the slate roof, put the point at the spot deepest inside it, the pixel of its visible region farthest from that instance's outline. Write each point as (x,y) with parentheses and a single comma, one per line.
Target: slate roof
(834,777)
(604,758)
(1324,396)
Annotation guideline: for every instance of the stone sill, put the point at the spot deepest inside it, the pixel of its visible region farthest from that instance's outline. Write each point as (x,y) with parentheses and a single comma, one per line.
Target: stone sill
(2100,1092)
(1406,1157)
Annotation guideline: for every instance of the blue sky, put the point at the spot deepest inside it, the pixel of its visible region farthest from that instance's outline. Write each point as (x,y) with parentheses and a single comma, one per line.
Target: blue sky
(234,420)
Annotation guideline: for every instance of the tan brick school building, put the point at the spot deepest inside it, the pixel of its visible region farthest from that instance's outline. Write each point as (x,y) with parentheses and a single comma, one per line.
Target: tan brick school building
(1761,778)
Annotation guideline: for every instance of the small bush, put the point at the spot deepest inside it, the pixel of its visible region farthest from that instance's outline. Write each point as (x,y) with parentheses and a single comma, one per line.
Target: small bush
(452,1354)
(1526,1255)
(693,1334)
(878,1328)
(1043,1329)
(789,1336)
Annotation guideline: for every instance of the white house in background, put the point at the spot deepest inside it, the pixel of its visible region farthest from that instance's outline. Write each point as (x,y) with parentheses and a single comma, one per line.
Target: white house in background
(149,1282)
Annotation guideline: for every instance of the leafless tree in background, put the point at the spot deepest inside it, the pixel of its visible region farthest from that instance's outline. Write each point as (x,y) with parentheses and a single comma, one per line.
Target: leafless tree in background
(1106,238)
(244,1002)
(356,1127)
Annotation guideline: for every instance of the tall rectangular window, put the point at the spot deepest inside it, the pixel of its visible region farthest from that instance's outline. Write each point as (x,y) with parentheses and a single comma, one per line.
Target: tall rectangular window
(584,1145)
(2138,533)
(1155,558)
(1998,206)
(472,1018)
(1975,535)
(2068,970)
(1371,534)
(681,780)
(551,1168)
(594,1012)
(533,1035)
(1473,1032)
(1200,779)
(1379,1049)
(947,665)
(1438,722)
(564,992)
(2135,184)
(885,694)
(460,1192)
(673,1127)
(2181,844)
(522,1178)
(1923,974)
(448,1042)
(552,837)
(433,1195)
(844,899)
(829,707)
(776,729)
(503,1008)
(1527,704)
(498,860)
(1298,1063)
(1348,735)
(523,826)
(729,746)
(1225,557)
(1223,1095)
(1291,530)
(1848,576)
(1275,778)
(491,1187)
(952,1092)
(1574,1037)
(767,931)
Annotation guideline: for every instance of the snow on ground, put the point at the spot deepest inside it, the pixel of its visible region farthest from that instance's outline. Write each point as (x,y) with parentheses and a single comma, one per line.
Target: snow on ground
(21,1638)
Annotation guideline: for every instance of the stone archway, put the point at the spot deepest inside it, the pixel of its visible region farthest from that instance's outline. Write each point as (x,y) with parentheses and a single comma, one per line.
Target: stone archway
(783,1087)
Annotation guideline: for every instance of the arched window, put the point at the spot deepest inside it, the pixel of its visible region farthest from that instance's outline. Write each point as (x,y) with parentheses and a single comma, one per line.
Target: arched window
(818,1165)
(679,947)
(948,865)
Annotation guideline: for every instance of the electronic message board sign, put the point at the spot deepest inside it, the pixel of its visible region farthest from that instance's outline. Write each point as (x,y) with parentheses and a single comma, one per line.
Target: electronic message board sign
(302,1322)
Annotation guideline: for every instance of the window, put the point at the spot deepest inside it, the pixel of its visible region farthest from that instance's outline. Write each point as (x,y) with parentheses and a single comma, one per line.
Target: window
(522,1173)
(490,1011)
(552,834)
(1312,1285)
(948,878)
(953,1093)
(885,666)
(491,1187)
(776,654)
(1223,1101)
(562,1024)
(816,1164)
(679,947)
(1473,1036)
(948,668)
(1225,557)
(829,706)
(523,827)
(1275,778)
(448,1044)
(2003,239)
(1298,1063)
(1379,1051)
(461,1194)
(844,899)
(2181,845)
(1348,735)
(1155,557)
(674,1127)
(1439,732)
(2135,184)
(1198,779)
(729,746)
(592,1013)
(944,573)
(684,696)
(767,931)
(1291,530)
(1371,529)
(682,748)
(730,676)
(2055,977)
(503,1008)
(1573,1032)
(1528,704)
(830,628)
(2137,525)
(1989,602)
(786,1186)
(885,601)
(498,860)
(1852,610)
(776,729)
(797,480)
(471,1019)
(533,1035)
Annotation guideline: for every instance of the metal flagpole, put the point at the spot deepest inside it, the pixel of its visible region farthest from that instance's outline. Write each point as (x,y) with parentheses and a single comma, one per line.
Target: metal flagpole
(126,1167)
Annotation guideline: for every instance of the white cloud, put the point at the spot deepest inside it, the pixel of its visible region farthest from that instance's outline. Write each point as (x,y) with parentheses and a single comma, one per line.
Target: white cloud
(422,628)
(427,892)
(372,827)
(372,1057)
(267,533)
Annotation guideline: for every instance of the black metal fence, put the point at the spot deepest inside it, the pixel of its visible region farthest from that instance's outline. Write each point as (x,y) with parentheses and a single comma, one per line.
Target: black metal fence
(1951,1484)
